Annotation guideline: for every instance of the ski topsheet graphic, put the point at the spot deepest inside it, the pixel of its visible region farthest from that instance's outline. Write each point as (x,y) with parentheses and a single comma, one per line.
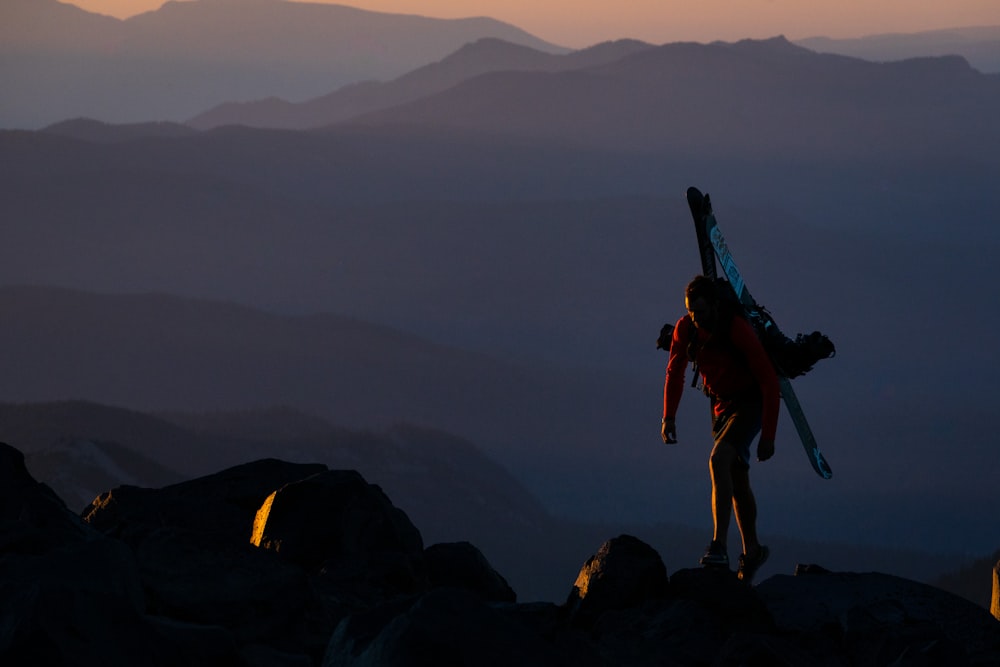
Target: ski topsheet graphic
(712,245)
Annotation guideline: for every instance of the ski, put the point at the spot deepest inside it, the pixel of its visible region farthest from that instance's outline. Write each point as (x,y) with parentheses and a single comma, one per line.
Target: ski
(712,245)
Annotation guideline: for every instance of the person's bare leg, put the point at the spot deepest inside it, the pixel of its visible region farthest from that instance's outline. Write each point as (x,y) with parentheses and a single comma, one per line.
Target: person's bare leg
(745,508)
(721,465)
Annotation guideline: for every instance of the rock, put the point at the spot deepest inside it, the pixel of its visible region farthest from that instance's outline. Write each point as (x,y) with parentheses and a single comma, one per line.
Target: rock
(882,619)
(995,601)
(446,626)
(221,507)
(192,545)
(71,601)
(33,519)
(462,565)
(253,593)
(624,573)
(733,603)
(670,632)
(68,595)
(337,524)
(340,577)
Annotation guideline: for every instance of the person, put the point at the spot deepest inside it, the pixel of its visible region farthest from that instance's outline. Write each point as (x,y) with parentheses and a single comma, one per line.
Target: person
(741,382)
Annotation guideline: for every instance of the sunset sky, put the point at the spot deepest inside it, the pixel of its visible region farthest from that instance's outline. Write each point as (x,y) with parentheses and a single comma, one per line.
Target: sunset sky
(579,23)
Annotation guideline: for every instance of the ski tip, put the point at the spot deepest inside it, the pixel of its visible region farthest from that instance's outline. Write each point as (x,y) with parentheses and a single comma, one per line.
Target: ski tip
(695,199)
(697,202)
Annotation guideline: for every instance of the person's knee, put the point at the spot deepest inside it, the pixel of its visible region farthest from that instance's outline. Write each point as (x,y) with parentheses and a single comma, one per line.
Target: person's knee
(723,457)
(741,483)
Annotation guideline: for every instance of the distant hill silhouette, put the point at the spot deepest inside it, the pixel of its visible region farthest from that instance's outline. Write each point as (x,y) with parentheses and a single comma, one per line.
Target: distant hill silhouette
(87,129)
(482,56)
(980,46)
(767,98)
(158,352)
(61,62)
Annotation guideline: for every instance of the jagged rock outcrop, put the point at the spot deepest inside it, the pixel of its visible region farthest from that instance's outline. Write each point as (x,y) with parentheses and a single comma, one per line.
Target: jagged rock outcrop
(625,572)
(33,519)
(281,564)
(339,526)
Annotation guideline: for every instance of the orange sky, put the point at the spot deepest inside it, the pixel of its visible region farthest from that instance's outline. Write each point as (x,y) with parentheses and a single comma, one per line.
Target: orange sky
(579,23)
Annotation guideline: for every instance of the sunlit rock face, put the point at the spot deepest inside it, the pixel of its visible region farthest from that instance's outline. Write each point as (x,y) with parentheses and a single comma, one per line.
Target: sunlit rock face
(623,573)
(330,522)
(995,604)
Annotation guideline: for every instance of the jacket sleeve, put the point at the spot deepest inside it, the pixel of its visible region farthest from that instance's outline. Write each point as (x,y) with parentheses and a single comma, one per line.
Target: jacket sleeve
(673,387)
(746,341)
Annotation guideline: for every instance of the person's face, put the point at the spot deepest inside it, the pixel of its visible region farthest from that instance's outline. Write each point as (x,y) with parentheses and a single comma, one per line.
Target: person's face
(702,312)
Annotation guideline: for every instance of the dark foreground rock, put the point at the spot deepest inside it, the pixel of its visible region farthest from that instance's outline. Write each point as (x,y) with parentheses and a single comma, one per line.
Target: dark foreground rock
(280,564)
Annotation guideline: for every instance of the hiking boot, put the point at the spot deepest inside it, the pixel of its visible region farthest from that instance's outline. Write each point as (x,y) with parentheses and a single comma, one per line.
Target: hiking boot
(715,555)
(749,566)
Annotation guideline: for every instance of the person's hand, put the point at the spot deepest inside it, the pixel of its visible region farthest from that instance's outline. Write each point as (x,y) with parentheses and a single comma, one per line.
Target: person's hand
(669,431)
(765,449)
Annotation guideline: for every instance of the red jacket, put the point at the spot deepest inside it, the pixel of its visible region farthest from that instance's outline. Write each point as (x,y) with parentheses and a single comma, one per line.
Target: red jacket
(729,368)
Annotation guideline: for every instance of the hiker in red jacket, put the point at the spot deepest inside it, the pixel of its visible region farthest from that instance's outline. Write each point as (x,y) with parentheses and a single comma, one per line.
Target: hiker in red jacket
(741,382)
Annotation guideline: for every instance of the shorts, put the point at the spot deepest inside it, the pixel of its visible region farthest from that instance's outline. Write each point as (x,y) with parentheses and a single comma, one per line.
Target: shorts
(738,425)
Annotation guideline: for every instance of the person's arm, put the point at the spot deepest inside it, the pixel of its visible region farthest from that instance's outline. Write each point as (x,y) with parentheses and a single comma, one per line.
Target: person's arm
(673,386)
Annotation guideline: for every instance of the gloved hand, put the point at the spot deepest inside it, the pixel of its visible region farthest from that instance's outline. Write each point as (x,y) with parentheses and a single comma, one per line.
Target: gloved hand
(669,432)
(765,449)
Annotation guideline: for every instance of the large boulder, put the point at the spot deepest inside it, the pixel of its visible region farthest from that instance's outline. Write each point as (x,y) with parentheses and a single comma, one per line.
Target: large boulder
(624,573)
(733,604)
(340,526)
(197,565)
(220,507)
(671,631)
(873,618)
(462,565)
(69,596)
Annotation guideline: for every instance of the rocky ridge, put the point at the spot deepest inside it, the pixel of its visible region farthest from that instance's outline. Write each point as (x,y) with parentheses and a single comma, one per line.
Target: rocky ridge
(277,563)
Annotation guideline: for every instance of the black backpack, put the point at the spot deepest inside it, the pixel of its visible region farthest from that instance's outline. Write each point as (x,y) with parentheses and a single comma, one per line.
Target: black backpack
(791,358)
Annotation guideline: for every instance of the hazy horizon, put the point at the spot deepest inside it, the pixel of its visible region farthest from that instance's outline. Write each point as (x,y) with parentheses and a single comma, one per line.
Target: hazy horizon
(587,22)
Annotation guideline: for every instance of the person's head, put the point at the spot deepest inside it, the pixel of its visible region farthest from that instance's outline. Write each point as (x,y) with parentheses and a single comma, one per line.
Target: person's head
(702,302)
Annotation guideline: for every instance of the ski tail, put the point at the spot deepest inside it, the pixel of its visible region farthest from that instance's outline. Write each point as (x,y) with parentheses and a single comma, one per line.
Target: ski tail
(701,208)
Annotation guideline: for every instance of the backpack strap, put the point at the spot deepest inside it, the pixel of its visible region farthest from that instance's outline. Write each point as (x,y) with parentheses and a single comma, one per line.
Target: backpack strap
(692,351)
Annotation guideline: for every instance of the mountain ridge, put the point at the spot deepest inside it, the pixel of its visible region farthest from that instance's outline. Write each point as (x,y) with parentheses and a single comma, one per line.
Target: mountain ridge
(479,57)
(980,45)
(768,96)
(185,57)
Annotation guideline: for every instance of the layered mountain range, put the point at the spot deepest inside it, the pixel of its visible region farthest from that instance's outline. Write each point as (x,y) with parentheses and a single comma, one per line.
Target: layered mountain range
(177,62)
(488,246)
(61,62)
